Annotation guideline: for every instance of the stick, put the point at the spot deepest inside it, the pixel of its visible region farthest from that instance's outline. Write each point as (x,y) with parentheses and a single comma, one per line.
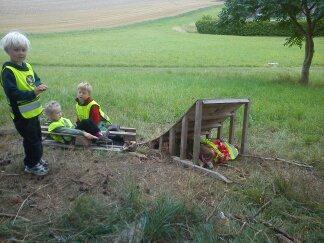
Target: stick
(279,159)
(79,181)
(261,208)
(13,215)
(23,203)
(215,174)
(2,173)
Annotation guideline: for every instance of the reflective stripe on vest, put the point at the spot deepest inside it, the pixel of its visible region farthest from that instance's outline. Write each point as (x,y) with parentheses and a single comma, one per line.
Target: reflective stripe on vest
(25,81)
(63,122)
(83,111)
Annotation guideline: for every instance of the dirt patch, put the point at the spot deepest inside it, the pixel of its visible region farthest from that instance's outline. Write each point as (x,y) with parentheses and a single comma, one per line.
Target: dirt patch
(100,174)
(103,175)
(62,15)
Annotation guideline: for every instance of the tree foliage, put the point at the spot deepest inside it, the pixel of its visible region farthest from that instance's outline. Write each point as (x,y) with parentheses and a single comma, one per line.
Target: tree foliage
(283,11)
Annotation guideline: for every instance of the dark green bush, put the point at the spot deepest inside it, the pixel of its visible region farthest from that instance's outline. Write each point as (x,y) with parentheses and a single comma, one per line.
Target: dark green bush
(209,25)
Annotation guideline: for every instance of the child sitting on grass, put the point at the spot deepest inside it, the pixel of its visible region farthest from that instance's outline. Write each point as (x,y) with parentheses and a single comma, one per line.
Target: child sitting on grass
(60,124)
(90,117)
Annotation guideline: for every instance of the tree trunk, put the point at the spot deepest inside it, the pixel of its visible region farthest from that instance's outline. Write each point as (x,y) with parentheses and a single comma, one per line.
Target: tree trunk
(309,52)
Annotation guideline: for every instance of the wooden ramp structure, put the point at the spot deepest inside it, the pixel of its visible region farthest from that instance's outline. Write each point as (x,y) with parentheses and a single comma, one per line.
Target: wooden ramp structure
(182,140)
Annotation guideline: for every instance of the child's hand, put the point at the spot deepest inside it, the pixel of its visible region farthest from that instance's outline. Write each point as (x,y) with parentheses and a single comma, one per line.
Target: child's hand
(39,89)
(89,136)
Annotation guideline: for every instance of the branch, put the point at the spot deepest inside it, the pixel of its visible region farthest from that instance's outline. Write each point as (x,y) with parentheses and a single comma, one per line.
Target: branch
(309,20)
(282,160)
(13,215)
(293,18)
(21,206)
(311,8)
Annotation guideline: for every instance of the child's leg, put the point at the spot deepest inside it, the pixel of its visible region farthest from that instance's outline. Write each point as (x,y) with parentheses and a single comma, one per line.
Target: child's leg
(30,130)
(88,126)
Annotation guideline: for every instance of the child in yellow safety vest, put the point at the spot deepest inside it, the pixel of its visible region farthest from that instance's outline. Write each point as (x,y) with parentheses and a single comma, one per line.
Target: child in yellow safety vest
(23,89)
(59,124)
(90,116)
(216,151)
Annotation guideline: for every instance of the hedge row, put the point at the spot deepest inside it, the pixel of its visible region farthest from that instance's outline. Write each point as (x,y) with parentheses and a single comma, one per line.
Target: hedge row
(208,25)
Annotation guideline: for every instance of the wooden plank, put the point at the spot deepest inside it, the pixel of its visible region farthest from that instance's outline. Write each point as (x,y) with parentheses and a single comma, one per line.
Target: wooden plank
(60,134)
(212,173)
(197,132)
(161,143)
(232,128)
(128,129)
(172,141)
(184,138)
(131,136)
(224,101)
(219,132)
(244,141)
(204,126)
(52,143)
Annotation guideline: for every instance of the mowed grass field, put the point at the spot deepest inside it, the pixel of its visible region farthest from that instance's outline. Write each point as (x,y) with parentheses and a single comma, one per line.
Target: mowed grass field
(146,76)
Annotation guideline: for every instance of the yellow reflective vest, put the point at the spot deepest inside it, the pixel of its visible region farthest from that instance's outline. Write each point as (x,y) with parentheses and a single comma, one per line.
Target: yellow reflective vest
(25,81)
(83,111)
(63,122)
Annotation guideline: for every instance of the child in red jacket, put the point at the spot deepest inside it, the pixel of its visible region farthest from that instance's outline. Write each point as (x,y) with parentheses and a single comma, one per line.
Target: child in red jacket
(90,117)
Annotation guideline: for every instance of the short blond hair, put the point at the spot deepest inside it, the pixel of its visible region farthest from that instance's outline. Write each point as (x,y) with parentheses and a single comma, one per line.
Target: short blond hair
(52,106)
(14,39)
(85,86)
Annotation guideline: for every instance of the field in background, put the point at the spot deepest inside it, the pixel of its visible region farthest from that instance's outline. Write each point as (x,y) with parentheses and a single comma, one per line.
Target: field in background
(146,75)
(64,15)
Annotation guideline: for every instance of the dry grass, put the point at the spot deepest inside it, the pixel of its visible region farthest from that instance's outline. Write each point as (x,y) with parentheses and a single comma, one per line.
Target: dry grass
(104,176)
(95,173)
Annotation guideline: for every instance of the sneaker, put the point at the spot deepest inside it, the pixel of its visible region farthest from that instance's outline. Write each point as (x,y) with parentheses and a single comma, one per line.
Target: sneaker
(38,169)
(44,163)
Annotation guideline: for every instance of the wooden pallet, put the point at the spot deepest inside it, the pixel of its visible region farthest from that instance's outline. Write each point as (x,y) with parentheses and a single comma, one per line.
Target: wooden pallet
(127,133)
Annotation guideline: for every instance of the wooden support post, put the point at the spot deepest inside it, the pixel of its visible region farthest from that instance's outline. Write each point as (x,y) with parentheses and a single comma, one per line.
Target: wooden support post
(232,129)
(184,138)
(172,141)
(219,132)
(161,143)
(197,132)
(244,141)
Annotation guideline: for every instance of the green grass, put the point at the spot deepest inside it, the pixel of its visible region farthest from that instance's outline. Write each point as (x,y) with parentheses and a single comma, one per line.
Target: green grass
(285,118)
(156,44)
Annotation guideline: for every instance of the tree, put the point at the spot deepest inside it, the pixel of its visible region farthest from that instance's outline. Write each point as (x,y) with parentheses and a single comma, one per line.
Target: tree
(291,12)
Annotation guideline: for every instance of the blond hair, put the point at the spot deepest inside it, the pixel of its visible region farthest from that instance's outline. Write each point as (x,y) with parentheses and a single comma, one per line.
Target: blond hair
(14,39)
(85,86)
(52,106)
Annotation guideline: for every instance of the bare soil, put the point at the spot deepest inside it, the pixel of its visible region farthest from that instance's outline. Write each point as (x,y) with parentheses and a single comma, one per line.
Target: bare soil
(64,15)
